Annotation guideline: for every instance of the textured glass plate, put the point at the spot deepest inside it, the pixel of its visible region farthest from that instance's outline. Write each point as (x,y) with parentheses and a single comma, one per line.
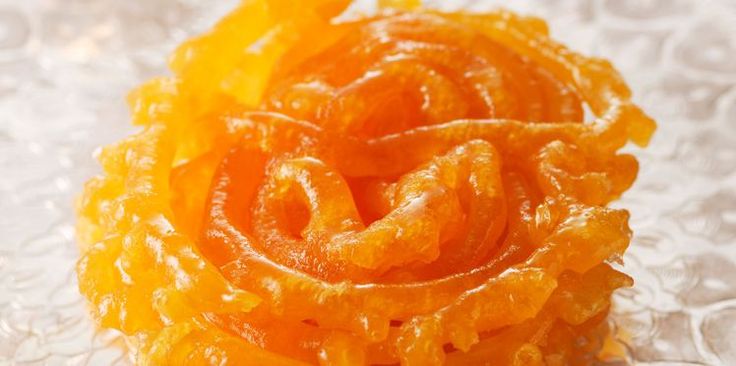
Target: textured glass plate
(66,65)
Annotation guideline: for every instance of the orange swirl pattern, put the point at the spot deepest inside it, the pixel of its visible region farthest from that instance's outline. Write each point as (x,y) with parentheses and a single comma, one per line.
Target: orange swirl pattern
(413,187)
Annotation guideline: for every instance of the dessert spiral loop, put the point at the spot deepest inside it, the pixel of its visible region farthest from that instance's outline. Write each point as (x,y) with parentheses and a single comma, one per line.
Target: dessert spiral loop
(412,187)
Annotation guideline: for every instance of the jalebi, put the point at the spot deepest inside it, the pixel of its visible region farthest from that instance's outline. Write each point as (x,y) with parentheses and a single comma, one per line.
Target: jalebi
(412,187)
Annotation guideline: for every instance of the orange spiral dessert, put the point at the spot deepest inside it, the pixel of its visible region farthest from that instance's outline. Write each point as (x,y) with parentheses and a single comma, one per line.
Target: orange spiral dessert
(413,187)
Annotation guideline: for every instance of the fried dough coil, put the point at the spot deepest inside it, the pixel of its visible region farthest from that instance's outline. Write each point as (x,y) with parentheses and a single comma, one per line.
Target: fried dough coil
(411,187)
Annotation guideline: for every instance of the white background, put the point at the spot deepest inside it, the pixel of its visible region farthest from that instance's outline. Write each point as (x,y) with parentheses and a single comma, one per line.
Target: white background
(66,65)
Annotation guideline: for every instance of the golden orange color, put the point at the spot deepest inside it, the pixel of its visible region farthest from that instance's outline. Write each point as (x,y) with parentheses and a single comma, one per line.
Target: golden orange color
(412,187)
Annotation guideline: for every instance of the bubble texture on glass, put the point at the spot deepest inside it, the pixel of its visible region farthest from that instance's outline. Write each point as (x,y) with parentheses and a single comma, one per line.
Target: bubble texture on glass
(65,67)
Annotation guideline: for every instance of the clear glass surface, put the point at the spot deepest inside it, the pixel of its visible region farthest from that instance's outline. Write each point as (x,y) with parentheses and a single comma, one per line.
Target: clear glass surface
(66,66)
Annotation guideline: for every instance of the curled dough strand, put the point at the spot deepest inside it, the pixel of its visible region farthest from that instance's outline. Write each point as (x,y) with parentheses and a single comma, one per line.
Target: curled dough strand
(413,187)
